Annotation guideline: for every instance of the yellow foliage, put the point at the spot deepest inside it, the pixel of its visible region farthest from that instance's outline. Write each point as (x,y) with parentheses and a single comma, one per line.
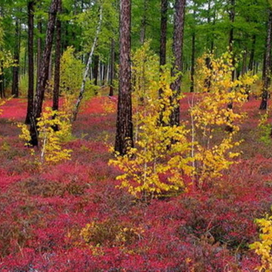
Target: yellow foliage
(265,128)
(264,247)
(160,159)
(212,113)
(163,155)
(51,141)
(2,102)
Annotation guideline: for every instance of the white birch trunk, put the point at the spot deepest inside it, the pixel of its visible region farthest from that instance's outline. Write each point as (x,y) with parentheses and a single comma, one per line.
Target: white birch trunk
(88,65)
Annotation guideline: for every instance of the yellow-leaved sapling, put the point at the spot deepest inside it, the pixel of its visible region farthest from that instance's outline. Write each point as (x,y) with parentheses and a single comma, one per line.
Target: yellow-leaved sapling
(210,115)
(51,142)
(161,156)
(263,247)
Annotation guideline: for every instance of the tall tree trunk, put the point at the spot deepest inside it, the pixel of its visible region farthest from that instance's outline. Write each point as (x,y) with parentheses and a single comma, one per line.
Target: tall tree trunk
(231,34)
(193,63)
(57,61)
(30,94)
(16,57)
(111,68)
(163,41)
(179,17)
(163,38)
(96,69)
(229,128)
(124,126)
(144,23)
(252,54)
(193,56)
(267,62)
(39,48)
(43,73)
(2,92)
(89,62)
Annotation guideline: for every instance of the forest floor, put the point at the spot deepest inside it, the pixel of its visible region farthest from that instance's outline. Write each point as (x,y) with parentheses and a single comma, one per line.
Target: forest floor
(71,216)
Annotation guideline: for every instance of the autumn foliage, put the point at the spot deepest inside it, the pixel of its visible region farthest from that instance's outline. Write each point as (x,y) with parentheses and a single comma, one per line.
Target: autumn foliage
(73,215)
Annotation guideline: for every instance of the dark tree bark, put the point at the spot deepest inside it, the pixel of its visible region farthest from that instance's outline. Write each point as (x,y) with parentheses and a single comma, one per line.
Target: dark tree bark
(16,57)
(111,71)
(163,39)
(30,94)
(229,128)
(193,57)
(96,69)
(252,54)
(124,126)
(43,73)
(144,23)
(2,90)
(179,17)
(266,64)
(39,48)
(231,34)
(193,63)
(57,61)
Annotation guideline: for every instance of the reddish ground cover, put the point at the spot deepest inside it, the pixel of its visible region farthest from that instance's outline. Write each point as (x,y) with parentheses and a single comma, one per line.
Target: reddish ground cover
(43,213)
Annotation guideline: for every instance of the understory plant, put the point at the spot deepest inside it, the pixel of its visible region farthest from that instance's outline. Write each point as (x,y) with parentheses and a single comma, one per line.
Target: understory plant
(263,247)
(163,154)
(54,129)
(160,159)
(265,129)
(216,117)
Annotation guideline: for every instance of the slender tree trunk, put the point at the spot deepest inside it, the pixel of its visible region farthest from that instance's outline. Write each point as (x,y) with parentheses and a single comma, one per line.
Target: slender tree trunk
(124,126)
(43,74)
(179,17)
(144,23)
(89,62)
(55,105)
(193,57)
(16,57)
(96,69)
(231,34)
(163,42)
(193,63)
(2,88)
(229,128)
(2,93)
(39,49)
(244,63)
(252,54)
(163,38)
(111,68)
(266,65)
(30,94)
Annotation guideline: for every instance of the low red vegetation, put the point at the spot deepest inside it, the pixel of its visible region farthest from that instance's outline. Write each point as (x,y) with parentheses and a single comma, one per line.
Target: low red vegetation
(44,212)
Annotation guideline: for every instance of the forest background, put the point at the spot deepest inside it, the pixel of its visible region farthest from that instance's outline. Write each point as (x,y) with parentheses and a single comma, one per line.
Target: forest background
(176,199)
